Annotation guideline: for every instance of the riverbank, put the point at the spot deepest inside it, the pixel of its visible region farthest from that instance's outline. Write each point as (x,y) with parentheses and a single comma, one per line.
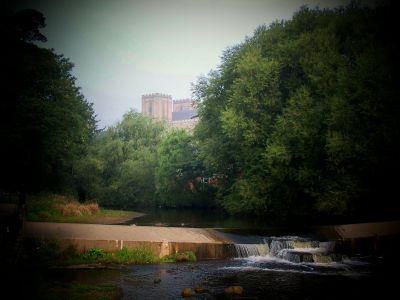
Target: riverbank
(63,209)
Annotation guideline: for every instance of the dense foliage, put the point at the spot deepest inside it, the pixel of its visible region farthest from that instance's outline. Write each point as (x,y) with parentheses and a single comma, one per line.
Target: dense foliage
(179,174)
(119,169)
(45,122)
(138,162)
(303,117)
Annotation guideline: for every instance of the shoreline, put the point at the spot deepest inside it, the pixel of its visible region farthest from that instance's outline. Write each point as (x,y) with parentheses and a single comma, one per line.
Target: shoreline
(105,217)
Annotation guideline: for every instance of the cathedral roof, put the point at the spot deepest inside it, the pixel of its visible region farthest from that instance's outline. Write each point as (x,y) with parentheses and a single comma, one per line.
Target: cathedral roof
(183,114)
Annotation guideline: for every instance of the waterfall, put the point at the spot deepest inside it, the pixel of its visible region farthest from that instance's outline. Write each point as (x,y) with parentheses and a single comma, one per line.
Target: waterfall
(277,245)
(293,249)
(246,250)
(295,256)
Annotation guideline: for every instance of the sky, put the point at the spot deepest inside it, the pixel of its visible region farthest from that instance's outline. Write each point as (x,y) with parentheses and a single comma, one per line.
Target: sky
(123,49)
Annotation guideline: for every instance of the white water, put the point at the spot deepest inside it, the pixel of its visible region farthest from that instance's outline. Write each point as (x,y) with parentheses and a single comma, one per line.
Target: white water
(290,248)
(292,255)
(247,250)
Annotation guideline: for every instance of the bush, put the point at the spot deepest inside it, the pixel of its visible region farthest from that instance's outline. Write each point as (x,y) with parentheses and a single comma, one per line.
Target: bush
(187,256)
(94,254)
(75,208)
(140,255)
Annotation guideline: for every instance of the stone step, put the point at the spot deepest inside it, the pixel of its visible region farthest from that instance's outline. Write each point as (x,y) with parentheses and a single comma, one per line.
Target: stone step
(311,255)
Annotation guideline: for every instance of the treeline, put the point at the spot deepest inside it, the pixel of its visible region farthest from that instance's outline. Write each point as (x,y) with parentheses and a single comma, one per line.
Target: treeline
(304,117)
(50,141)
(140,162)
(301,120)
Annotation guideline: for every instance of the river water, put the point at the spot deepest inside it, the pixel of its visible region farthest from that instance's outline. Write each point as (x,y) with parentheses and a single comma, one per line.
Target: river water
(269,263)
(268,267)
(195,218)
(261,278)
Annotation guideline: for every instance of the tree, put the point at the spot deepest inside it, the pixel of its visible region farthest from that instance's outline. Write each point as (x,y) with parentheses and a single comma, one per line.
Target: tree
(179,173)
(302,118)
(46,122)
(120,166)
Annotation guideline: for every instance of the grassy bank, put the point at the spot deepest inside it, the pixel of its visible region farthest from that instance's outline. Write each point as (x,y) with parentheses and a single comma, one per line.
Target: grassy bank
(48,253)
(59,208)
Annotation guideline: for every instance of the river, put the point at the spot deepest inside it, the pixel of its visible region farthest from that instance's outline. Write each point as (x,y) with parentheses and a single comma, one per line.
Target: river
(261,278)
(267,262)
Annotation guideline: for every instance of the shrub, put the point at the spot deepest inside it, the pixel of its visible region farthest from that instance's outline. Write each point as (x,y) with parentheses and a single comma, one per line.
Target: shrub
(74,208)
(93,254)
(141,255)
(187,256)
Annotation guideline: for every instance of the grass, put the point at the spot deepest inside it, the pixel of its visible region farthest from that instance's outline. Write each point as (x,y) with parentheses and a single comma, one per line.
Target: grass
(125,256)
(48,253)
(141,255)
(64,209)
(187,256)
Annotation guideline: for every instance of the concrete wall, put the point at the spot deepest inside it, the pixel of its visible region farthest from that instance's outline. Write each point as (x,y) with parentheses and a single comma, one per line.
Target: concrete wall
(160,249)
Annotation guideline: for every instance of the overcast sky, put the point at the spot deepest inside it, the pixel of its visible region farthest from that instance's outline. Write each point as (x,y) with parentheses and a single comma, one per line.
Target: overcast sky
(123,49)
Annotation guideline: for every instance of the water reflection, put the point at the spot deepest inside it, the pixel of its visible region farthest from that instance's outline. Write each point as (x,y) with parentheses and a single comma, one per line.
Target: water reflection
(196,218)
(261,277)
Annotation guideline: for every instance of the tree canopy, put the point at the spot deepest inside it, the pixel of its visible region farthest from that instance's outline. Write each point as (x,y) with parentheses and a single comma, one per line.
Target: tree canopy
(120,166)
(300,121)
(180,173)
(303,117)
(45,121)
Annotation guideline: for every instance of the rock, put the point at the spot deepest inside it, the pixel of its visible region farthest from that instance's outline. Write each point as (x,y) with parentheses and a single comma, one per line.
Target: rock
(157,280)
(187,292)
(322,258)
(200,290)
(234,290)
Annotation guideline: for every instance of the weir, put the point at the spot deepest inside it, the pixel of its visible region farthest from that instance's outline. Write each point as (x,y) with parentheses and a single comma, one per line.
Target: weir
(246,250)
(214,244)
(163,241)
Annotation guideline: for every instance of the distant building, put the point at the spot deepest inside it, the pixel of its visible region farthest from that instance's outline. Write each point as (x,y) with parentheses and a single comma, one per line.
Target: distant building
(178,113)
(157,106)
(183,105)
(184,114)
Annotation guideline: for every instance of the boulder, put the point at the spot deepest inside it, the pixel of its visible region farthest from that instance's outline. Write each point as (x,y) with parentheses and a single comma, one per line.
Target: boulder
(234,290)
(157,280)
(187,292)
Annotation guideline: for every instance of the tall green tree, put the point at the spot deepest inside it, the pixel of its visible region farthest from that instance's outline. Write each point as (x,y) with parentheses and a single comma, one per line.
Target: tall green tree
(119,169)
(303,119)
(45,121)
(179,174)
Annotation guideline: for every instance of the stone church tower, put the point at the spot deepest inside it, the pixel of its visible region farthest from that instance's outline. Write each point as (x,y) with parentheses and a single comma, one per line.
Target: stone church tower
(178,113)
(157,106)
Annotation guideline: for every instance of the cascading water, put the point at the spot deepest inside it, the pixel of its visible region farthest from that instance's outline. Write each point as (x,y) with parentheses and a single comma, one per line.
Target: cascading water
(277,245)
(295,256)
(292,249)
(247,250)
